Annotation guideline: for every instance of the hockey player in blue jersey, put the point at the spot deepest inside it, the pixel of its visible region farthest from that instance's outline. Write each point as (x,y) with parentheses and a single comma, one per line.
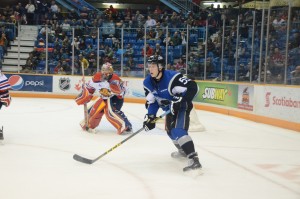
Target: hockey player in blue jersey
(168,89)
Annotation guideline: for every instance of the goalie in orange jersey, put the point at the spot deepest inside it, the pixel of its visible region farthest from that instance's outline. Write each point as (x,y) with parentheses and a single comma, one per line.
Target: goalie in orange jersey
(111,91)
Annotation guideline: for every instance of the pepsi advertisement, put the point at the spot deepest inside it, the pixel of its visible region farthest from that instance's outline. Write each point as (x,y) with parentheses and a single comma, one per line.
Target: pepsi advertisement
(21,82)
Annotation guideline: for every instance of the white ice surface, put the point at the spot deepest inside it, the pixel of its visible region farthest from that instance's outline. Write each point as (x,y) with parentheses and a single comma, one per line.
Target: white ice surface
(241,159)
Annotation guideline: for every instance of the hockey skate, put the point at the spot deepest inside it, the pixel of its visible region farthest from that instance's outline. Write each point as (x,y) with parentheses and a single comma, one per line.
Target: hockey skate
(122,130)
(178,154)
(129,129)
(193,164)
(128,126)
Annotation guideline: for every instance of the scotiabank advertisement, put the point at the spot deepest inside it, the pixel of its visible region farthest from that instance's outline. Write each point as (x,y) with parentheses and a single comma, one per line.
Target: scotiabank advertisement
(23,82)
(278,102)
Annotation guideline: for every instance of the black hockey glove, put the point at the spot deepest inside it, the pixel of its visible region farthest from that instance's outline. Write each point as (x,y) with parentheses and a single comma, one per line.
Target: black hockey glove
(176,104)
(149,122)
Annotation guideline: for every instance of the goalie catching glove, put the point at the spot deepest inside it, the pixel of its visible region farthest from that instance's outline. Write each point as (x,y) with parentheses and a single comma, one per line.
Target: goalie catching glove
(84,97)
(105,92)
(149,122)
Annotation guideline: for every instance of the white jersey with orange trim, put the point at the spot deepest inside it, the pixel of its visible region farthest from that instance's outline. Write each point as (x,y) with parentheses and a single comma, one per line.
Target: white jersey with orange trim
(4,84)
(95,87)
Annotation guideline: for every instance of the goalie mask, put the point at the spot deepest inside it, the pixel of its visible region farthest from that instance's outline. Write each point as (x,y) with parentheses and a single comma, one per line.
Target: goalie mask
(107,70)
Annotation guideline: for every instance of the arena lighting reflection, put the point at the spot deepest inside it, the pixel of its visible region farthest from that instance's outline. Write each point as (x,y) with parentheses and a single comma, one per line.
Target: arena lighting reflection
(111,4)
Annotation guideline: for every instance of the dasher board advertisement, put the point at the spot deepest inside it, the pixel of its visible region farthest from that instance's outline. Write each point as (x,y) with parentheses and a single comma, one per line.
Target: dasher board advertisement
(278,102)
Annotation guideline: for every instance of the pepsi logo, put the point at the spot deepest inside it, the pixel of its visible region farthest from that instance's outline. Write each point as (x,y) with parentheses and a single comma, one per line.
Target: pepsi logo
(16,82)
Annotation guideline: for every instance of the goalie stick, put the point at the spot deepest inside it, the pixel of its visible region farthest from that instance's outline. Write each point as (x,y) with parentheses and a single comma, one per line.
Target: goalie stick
(91,161)
(86,116)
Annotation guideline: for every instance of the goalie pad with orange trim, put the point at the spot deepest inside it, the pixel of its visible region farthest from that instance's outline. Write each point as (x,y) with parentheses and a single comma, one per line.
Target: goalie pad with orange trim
(96,112)
(84,97)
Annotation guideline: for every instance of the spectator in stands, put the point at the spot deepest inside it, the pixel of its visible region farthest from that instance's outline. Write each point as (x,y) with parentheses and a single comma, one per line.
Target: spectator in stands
(128,51)
(128,17)
(64,54)
(175,40)
(150,22)
(180,65)
(158,33)
(72,15)
(45,6)
(112,12)
(65,25)
(193,68)
(167,39)
(240,52)
(175,20)
(76,45)
(183,41)
(278,22)
(149,51)
(30,9)
(158,50)
(130,65)
(53,8)
(138,18)
(150,34)
(58,68)
(210,45)
(200,53)
(81,44)
(140,33)
(29,65)
(19,12)
(84,62)
(4,42)
(156,15)
(109,53)
(276,61)
(296,76)
(65,66)
(38,11)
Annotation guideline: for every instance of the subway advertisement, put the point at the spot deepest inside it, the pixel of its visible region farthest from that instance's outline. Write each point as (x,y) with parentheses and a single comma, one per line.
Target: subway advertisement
(23,82)
(219,94)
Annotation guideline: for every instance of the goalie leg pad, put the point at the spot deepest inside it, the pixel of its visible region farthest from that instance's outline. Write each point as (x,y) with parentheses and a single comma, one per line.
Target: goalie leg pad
(115,122)
(113,113)
(96,112)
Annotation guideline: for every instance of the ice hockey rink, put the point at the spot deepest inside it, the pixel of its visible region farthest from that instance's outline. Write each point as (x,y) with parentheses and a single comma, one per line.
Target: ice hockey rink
(241,159)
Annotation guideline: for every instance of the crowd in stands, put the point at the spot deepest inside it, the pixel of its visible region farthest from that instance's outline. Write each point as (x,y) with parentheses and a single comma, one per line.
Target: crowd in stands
(58,27)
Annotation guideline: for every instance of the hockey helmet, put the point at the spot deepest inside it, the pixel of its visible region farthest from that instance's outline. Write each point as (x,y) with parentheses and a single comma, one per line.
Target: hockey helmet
(156,59)
(107,70)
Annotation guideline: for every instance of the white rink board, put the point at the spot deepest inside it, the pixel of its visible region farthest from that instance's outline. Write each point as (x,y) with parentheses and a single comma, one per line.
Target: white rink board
(67,84)
(277,102)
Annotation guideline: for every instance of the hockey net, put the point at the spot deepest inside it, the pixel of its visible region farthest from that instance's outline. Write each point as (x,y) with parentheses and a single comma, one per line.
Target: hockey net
(195,124)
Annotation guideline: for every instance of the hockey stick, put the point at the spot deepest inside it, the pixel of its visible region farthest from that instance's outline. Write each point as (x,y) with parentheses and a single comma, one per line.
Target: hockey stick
(86,117)
(91,161)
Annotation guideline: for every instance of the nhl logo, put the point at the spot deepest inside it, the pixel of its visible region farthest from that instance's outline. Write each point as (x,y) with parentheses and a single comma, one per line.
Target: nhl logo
(64,83)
